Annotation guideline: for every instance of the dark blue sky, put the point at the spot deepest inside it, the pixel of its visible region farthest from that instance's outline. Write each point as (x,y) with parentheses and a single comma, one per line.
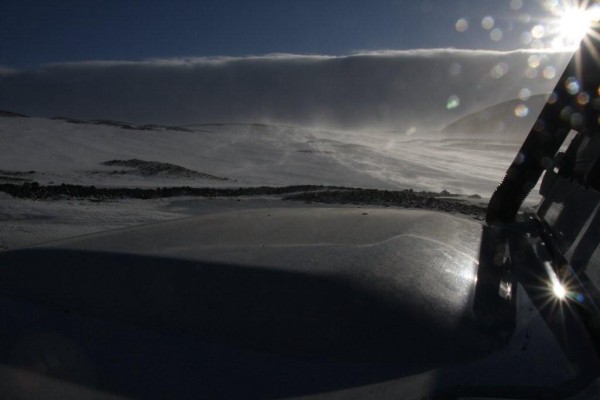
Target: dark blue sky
(38,32)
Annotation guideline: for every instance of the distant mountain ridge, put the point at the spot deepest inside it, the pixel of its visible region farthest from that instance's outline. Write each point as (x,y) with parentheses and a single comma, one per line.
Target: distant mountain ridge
(122,125)
(10,114)
(141,127)
(513,117)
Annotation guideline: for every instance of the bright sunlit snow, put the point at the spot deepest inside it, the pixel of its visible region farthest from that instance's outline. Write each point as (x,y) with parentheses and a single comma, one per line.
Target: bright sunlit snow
(257,154)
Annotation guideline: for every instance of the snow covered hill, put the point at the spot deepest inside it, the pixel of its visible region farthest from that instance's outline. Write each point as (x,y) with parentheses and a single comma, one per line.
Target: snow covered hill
(63,151)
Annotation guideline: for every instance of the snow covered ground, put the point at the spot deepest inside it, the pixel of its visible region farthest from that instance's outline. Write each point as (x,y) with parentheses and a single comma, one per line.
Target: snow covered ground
(53,151)
(255,154)
(25,222)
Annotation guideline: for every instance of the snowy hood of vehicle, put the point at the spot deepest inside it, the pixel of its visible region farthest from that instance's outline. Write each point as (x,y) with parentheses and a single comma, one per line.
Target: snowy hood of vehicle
(356,284)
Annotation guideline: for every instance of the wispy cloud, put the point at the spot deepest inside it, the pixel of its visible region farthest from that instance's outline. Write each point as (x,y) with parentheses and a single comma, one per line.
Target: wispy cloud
(384,89)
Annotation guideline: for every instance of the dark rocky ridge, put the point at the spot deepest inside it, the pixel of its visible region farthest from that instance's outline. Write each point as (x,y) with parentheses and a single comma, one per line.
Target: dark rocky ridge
(396,198)
(308,193)
(155,168)
(16,176)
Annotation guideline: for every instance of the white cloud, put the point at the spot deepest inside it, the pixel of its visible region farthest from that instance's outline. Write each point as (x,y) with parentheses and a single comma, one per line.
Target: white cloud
(385,89)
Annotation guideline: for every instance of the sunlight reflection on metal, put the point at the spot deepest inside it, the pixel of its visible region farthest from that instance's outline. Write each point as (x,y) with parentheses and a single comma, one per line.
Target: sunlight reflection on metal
(558,289)
(505,290)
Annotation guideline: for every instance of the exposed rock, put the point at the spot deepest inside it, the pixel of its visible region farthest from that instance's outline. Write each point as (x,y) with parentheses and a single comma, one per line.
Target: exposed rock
(155,168)
(307,193)
(15,176)
(401,198)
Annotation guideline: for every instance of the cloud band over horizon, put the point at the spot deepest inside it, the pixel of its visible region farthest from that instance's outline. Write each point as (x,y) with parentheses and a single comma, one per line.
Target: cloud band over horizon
(383,90)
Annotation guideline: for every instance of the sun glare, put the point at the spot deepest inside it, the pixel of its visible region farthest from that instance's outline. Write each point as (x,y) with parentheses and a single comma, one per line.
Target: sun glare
(574,22)
(559,290)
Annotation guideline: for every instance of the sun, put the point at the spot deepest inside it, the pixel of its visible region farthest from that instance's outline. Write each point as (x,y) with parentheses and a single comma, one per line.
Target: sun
(574,21)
